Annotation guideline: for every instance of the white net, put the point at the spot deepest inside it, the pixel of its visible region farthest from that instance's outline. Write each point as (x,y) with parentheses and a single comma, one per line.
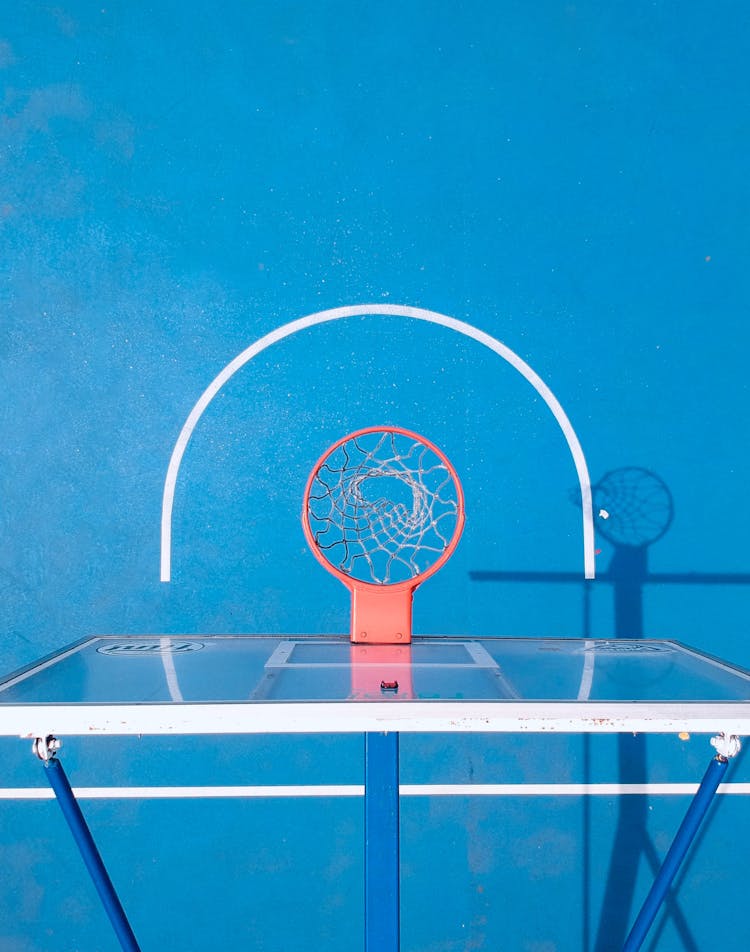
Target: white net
(383,507)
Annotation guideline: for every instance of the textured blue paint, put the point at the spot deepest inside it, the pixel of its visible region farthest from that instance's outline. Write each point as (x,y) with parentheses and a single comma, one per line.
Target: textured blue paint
(177,181)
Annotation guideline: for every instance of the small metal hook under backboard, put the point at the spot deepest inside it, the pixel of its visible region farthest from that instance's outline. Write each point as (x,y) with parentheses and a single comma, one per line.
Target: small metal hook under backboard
(47,747)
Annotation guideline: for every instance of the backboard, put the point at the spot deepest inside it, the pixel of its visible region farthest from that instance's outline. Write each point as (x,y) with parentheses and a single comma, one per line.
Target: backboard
(168,684)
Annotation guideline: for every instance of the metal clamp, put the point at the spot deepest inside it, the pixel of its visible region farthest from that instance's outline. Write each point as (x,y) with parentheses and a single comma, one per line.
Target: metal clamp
(726,745)
(47,747)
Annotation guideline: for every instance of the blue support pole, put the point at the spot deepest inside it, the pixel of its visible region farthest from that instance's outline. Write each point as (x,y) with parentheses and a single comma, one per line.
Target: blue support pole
(85,842)
(685,836)
(382,902)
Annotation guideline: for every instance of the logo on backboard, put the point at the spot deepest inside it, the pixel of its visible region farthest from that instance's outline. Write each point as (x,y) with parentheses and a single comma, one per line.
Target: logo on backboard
(147,649)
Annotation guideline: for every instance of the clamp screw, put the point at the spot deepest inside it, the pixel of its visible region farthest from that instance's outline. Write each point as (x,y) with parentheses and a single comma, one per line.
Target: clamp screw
(45,748)
(726,745)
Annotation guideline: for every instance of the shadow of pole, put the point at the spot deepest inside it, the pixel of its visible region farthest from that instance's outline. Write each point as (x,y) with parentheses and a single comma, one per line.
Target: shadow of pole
(628,572)
(635,510)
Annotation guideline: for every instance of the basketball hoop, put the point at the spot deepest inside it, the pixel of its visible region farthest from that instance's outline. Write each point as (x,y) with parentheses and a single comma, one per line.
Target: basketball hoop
(383,511)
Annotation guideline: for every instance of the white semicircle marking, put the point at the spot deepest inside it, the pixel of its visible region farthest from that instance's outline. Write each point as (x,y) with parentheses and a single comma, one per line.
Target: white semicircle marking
(364,310)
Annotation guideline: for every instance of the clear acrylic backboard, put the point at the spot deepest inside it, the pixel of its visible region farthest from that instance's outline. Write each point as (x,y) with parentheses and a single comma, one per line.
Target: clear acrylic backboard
(162,684)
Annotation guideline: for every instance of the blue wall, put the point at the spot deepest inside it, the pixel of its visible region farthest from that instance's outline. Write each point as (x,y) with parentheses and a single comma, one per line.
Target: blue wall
(177,180)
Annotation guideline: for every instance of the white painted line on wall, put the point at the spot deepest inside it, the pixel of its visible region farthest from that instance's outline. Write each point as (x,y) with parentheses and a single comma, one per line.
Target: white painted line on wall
(587,676)
(188,793)
(363,310)
(170,672)
(357,790)
(562,789)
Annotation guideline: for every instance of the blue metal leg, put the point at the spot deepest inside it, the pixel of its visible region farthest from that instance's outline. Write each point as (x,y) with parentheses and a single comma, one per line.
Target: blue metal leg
(85,842)
(685,836)
(381,843)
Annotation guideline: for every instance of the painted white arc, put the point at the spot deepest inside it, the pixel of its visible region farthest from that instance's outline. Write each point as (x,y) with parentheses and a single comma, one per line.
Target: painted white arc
(365,310)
